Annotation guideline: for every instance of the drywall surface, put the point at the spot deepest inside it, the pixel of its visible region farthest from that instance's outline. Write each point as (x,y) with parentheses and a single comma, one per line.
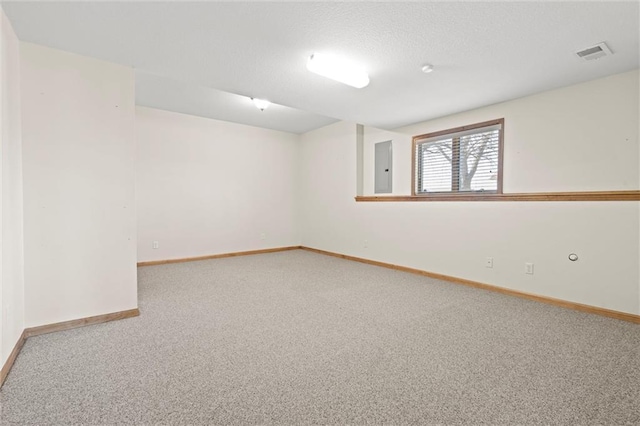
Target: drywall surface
(78,134)
(455,238)
(327,184)
(12,260)
(577,138)
(206,186)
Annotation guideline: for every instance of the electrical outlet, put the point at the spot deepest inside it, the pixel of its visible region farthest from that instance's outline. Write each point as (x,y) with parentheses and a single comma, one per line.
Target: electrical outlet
(528,268)
(365,244)
(263,236)
(156,245)
(489,262)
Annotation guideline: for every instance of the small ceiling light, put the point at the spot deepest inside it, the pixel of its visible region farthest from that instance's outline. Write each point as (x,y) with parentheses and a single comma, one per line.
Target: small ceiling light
(338,69)
(261,104)
(427,68)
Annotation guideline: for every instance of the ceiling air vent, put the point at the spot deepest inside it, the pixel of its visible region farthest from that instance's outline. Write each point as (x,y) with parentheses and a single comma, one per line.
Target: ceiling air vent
(594,52)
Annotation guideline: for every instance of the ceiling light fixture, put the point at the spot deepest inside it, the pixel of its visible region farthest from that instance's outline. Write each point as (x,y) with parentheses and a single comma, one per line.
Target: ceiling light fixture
(261,104)
(338,69)
(427,68)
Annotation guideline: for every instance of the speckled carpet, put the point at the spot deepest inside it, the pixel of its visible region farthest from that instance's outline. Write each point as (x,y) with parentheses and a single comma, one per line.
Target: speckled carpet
(297,338)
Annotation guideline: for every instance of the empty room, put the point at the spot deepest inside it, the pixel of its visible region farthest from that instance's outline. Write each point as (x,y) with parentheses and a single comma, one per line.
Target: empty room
(320,213)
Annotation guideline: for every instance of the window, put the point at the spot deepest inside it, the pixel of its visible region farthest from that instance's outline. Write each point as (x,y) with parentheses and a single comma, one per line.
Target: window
(465,160)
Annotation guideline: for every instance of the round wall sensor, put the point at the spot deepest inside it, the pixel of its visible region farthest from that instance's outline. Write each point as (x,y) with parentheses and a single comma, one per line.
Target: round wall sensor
(427,68)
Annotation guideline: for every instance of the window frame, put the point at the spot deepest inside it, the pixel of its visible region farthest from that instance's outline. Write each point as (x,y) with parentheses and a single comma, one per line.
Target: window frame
(414,165)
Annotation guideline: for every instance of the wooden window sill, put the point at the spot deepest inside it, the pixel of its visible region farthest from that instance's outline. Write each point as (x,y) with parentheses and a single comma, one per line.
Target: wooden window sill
(534,196)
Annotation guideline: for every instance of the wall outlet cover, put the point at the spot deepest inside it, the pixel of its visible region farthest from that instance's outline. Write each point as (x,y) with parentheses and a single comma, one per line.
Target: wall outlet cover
(528,268)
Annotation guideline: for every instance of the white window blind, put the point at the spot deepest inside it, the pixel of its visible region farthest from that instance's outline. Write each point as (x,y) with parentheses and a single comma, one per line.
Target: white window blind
(461,161)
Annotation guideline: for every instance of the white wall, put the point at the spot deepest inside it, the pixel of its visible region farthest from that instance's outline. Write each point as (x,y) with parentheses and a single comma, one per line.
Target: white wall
(206,186)
(79,208)
(578,138)
(11,258)
(454,238)
(327,184)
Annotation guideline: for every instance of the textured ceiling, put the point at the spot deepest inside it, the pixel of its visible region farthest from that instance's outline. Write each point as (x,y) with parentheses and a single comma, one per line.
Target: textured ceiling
(483,52)
(173,95)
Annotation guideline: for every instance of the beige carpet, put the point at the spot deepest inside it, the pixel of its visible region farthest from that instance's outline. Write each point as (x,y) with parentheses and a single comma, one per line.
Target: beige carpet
(297,337)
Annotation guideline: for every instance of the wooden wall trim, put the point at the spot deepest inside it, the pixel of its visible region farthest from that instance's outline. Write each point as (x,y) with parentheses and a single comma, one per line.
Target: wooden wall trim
(4,372)
(80,322)
(544,299)
(217,256)
(536,196)
(416,140)
(60,326)
(459,129)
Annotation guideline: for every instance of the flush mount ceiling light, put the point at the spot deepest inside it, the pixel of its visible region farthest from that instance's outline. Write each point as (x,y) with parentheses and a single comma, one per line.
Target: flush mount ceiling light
(261,104)
(338,69)
(427,68)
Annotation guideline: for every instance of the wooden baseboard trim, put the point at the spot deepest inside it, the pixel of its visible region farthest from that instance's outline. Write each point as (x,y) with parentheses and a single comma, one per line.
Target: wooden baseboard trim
(544,299)
(4,372)
(217,256)
(60,326)
(81,322)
